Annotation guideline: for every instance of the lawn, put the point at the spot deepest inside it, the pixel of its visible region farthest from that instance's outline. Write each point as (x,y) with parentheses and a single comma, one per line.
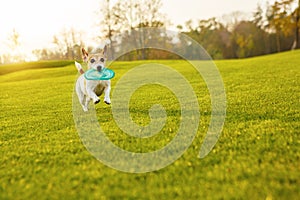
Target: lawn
(256,157)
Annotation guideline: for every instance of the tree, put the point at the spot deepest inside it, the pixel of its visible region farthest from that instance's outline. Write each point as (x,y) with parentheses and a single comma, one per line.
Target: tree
(129,18)
(296,15)
(258,17)
(14,39)
(14,45)
(247,37)
(279,19)
(67,44)
(212,35)
(232,19)
(110,23)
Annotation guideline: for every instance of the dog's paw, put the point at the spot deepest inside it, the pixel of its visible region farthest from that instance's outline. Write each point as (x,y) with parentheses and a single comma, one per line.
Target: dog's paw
(107,102)
(96,101)
(85,109)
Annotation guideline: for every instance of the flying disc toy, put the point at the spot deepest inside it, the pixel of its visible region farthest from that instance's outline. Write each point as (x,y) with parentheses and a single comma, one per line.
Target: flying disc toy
(105,74)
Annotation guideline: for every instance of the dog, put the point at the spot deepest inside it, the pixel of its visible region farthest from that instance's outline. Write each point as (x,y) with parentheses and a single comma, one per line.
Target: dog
(88,90)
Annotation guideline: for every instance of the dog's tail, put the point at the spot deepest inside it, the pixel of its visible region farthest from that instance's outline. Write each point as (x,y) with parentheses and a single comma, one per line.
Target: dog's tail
(79,67)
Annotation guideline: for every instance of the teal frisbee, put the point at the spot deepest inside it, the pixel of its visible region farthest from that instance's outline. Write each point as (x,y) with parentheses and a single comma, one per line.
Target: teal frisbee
(105,74)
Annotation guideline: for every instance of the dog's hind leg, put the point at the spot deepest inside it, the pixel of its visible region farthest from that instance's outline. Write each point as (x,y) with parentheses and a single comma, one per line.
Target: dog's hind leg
(83,101)
(86,103)
(81,97)
(106,94)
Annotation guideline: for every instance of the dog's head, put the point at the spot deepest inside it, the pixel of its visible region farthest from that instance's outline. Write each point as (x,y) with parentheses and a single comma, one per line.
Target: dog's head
(96,60)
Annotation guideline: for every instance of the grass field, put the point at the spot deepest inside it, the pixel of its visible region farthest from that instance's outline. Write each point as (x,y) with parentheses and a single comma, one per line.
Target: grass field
(256,157)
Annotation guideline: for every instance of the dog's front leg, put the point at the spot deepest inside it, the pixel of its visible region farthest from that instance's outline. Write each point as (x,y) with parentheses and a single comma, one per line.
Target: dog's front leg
(93,96)
(91,93)
(107,93)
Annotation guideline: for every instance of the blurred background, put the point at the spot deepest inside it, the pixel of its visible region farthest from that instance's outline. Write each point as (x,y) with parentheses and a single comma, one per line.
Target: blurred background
(56,30)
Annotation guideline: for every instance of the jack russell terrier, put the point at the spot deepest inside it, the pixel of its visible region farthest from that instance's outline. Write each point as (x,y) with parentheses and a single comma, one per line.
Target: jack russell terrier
(88,90)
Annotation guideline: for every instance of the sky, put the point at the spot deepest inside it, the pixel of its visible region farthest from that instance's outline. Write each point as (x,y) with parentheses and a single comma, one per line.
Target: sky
(37,21)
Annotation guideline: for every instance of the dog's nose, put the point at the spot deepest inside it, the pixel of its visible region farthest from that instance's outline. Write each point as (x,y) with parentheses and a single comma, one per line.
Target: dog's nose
(99,68)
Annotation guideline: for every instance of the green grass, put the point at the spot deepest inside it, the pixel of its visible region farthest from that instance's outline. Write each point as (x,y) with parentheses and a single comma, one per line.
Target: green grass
(9,68)
(256,157)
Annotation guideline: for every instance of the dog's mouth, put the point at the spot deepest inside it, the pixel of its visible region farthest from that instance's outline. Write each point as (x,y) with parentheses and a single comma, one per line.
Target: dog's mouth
(99,68)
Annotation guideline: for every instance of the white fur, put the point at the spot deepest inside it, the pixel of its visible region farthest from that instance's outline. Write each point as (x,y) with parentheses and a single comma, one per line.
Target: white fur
(88,90)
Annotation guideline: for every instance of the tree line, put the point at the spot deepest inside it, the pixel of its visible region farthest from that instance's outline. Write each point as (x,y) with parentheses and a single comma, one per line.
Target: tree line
(271,28)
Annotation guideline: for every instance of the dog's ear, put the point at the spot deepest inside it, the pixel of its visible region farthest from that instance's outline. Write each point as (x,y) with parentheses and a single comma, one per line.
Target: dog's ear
(105,50)
(84,55)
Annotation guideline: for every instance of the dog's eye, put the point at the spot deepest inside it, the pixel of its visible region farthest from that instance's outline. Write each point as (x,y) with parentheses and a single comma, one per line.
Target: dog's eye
(102,59)
(92,60)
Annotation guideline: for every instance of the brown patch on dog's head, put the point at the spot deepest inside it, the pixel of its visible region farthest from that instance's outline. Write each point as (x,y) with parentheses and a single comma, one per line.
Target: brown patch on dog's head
(95,60)
(85,55)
